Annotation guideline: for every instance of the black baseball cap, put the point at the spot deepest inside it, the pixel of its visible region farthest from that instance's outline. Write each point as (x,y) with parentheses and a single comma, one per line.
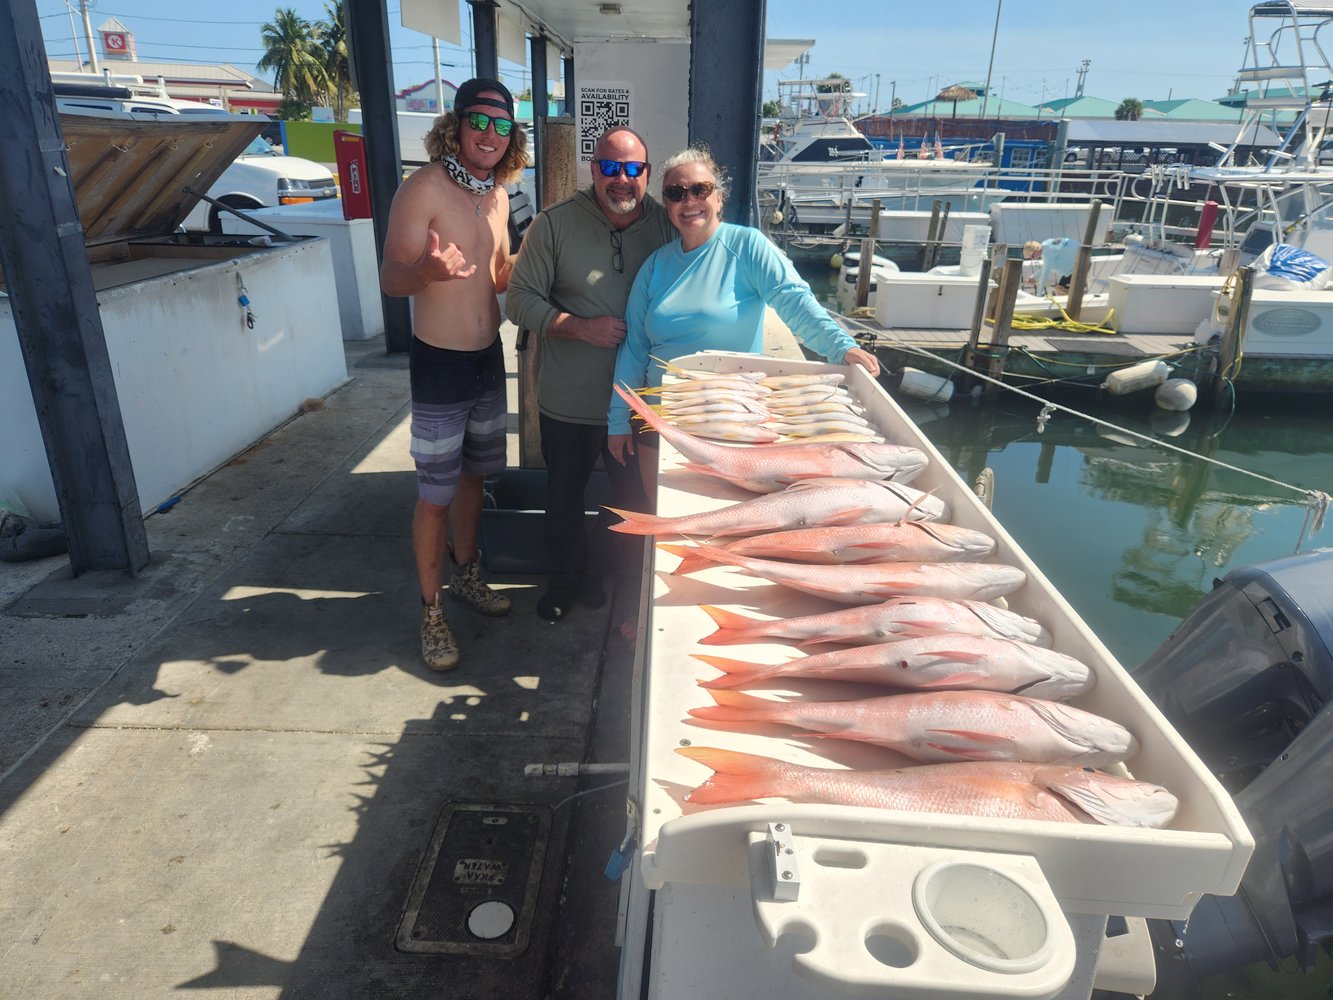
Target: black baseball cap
(467,95)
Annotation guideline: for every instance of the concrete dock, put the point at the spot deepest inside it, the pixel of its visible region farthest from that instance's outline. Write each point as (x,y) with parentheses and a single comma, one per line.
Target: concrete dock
(226,774)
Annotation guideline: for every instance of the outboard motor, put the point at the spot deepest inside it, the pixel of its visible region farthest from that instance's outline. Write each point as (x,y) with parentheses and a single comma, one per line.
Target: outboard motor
(1246,680)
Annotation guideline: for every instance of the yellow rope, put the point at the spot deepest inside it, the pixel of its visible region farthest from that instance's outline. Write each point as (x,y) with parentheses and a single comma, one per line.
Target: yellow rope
(1066,322)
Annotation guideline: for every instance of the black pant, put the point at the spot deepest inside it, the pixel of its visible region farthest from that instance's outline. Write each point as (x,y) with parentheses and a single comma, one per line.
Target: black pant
(570,451)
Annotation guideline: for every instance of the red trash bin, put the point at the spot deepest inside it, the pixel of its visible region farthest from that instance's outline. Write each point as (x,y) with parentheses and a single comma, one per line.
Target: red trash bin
(349,148)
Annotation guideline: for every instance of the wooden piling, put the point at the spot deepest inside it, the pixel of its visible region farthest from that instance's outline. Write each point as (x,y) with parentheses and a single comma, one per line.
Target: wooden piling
(978,315)
(930,233)
(999,345)
(1079,280)
(866,271)
(1229,350)
(939,224)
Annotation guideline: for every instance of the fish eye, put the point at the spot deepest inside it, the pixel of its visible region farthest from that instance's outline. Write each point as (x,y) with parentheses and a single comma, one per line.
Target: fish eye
(903,664)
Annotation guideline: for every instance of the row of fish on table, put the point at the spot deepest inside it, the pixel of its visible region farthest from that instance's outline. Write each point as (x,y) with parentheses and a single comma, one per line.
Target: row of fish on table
(745,408)
(971,690)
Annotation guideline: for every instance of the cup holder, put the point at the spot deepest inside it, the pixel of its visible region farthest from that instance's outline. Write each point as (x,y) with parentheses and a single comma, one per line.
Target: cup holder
(983,917)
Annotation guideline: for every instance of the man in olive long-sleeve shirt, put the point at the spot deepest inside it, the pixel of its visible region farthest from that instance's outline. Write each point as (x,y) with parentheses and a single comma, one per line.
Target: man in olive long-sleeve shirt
(570,286)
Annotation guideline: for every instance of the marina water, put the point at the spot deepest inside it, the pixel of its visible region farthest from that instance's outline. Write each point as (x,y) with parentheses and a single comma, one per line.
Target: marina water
(1131,533)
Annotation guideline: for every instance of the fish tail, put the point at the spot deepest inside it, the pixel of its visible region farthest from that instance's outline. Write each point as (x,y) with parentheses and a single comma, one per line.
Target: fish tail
(691,559)
(636,404)
(735,706)
(737,777)
(637,522)
(731,627)
(738,672)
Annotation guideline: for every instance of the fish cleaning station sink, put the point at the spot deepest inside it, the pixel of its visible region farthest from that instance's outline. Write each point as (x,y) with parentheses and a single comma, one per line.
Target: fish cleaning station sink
(775,861)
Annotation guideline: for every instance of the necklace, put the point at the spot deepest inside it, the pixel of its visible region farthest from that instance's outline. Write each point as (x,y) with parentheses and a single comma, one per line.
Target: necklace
(479,189)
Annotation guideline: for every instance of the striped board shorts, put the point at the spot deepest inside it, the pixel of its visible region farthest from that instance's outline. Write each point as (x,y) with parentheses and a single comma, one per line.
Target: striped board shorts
(459,416)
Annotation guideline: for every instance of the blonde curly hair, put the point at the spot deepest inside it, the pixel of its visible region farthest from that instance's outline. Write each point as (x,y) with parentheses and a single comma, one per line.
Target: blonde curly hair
(442,140)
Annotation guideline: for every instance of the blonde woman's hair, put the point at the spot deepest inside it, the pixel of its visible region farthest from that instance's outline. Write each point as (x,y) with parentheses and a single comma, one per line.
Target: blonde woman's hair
(442,140)
(701,154)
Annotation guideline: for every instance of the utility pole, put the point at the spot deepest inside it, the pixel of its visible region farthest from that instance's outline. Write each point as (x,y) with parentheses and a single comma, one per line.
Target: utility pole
(88,35)
(893,95)
(74,35)
(877,107)
(1082,75)
(995,33)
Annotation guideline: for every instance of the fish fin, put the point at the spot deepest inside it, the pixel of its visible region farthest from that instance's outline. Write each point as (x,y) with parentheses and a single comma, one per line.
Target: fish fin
(691,560)
(959,655)
(731,627)
(737,777)
(736,706)
(851,515)
(964,753)
(636,522)
(974,736)
(955,681)
(738,672)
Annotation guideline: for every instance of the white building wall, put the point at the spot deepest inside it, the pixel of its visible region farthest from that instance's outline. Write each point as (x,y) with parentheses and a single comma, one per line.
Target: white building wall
(658,75)
(195,385)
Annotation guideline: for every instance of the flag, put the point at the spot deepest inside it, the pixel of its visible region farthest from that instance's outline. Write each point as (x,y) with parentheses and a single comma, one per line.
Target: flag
(923,150)
(939,149)
(901,151)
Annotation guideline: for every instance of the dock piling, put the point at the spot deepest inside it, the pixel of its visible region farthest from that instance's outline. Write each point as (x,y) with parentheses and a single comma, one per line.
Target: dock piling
(1004,315)
(865,273)
(939,220)
(1229,350)
(1078,283)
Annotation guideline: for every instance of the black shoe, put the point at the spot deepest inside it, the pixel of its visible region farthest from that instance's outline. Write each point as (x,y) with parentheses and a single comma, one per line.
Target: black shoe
(591,592)
(557,602)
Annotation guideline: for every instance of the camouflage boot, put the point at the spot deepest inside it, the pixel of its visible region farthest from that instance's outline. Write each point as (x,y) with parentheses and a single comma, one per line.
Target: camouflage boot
(438,647)
(468,586)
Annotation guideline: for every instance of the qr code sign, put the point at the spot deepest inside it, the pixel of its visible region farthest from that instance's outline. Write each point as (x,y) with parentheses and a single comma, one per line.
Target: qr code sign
(601,106)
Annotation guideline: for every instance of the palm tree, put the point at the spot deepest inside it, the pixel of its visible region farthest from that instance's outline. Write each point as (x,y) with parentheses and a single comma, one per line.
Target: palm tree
(1130,110)
(337,65)
(291,50)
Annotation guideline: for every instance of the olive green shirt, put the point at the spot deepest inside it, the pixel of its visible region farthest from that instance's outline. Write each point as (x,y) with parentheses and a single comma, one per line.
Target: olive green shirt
(566,264)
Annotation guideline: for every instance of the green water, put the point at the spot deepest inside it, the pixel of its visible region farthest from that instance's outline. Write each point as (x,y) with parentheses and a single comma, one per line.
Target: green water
(1133,535)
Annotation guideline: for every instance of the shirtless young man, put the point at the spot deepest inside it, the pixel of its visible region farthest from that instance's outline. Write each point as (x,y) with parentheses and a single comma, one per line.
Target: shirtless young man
(448,248)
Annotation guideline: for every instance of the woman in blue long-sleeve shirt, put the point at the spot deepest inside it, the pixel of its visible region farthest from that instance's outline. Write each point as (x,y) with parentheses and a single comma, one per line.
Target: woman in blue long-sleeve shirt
(707,291)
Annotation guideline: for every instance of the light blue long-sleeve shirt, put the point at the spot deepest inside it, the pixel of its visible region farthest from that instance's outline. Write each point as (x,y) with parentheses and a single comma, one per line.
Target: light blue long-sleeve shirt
(712,298)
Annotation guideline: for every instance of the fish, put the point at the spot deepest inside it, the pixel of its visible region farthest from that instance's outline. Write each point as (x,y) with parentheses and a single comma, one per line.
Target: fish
(697,375)
(817,428)
(834,501)
(940,726)
(924,662)
(823,406)
(990,790)
(767,470)
(905,541)
(808,378)
(703,386)
(692,421)
(898,617)
(862,583)
(711,404)
(733,430)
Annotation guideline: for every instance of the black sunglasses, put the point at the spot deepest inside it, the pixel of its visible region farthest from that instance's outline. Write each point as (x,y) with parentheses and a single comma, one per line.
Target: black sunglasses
(613,168)
(480,121)
(617,251)
(677,192)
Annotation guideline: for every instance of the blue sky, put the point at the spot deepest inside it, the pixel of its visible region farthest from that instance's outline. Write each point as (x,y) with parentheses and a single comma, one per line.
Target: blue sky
(1150,49)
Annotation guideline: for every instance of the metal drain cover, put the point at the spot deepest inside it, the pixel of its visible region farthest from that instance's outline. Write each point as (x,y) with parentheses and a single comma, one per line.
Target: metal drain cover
(477,888)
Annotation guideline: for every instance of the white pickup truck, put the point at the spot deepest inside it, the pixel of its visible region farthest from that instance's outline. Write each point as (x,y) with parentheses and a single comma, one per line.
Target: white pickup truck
(260,177)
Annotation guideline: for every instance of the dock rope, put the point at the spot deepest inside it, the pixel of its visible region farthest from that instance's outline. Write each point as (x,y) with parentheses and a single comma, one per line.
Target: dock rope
(1316,501)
